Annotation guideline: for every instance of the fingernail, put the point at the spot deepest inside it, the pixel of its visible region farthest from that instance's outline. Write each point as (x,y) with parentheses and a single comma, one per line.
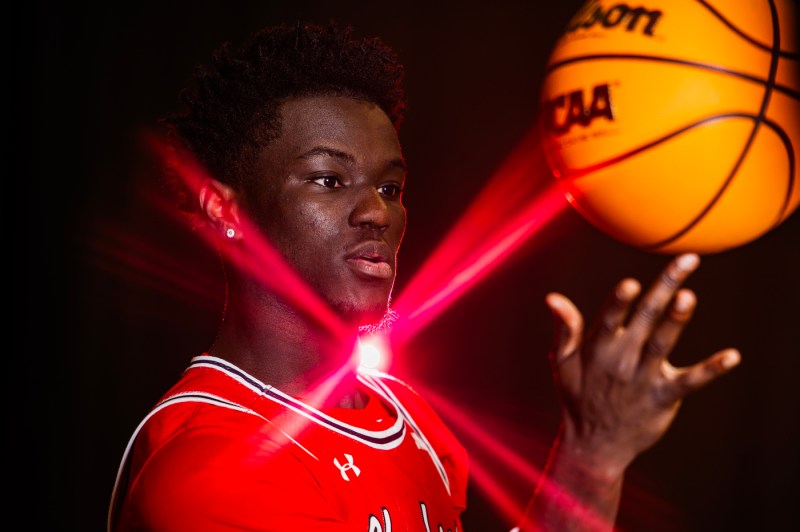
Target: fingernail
(730,358)
(627,289)
(683,301)
(688,261)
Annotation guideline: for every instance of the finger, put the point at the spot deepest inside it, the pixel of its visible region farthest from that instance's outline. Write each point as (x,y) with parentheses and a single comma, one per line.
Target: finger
(665,336)
(568,325)
(692,378)
(616,308)
(651,307)
(568,329)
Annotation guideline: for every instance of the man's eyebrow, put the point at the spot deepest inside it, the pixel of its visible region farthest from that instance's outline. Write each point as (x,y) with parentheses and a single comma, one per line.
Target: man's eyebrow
(344,156)
(330,152)
(398,163)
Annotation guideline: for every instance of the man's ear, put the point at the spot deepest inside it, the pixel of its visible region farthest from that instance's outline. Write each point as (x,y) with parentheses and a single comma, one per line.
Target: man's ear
(220,204)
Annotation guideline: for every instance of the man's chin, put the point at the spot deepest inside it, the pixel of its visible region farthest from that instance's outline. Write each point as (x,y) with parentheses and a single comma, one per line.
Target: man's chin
(367,320)
(384,324)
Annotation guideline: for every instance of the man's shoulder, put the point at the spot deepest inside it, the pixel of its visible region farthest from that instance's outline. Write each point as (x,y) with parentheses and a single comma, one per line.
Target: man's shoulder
(205,403)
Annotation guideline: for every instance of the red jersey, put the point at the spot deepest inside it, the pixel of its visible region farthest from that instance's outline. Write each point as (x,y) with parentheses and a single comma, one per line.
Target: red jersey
(223,451)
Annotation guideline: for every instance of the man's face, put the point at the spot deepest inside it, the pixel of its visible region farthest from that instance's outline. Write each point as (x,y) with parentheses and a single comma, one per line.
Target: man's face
(328,196)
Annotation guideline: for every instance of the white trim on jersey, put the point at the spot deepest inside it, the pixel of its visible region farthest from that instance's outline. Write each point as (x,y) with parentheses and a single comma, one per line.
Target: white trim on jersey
(184,397)
(385,439)
(374,380)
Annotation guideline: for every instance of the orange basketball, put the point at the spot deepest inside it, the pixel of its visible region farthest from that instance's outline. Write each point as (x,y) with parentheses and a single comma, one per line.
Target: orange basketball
(674,125)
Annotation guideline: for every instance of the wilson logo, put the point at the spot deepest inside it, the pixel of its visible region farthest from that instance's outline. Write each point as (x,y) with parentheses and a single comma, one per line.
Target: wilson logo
(573,108)
(631,18)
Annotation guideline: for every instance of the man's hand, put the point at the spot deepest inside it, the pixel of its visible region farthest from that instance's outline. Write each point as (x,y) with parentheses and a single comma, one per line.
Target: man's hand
(619,395)
(619,391)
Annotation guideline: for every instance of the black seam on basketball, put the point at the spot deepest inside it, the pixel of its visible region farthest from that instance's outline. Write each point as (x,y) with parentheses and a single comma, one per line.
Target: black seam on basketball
(740,33)
(790,181)
(783,89)
(582,172)
(573,175)
(773,71)
(787,142)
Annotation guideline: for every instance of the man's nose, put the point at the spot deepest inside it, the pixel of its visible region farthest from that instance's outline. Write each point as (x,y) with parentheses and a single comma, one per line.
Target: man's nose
(370,209)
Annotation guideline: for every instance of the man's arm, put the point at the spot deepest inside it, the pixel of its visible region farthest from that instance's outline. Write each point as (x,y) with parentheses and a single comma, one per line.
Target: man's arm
(619,395)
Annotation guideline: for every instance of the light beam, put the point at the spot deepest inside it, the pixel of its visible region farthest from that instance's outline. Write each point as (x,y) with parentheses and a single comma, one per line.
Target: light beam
(511,209)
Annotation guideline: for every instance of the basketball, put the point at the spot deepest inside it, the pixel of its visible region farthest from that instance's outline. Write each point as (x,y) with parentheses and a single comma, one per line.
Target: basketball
(674,125)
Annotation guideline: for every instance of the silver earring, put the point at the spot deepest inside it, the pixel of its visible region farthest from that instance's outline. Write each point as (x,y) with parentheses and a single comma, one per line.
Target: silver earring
(230,233)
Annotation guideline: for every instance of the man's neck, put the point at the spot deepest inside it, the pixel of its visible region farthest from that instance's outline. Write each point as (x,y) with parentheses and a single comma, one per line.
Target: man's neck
(287,350)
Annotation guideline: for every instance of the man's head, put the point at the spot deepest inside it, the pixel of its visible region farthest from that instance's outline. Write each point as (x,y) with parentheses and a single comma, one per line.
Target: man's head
(298,132)
(231,107)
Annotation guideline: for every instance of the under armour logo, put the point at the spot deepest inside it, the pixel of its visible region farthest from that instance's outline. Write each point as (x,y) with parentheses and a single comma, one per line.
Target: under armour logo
(344,468)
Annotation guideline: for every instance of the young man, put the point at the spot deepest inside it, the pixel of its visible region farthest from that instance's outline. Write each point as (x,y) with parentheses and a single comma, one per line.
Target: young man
(275,428)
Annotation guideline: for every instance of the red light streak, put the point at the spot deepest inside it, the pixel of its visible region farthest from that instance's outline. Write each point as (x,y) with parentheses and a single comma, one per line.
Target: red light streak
(512,208)
(505,477)
(253,253)
(124,254)
(506,214)
(495,480)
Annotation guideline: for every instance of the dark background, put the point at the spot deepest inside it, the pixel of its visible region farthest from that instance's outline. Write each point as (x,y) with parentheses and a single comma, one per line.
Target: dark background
(110,297)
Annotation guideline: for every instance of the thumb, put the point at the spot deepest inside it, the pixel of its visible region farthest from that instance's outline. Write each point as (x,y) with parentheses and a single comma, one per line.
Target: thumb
(568,326)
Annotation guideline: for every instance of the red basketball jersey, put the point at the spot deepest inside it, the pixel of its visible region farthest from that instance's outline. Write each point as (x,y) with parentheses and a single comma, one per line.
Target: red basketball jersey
(223,451)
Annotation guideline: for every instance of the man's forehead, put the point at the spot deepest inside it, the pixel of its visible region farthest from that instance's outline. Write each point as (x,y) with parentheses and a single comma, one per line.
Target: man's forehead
(336,126)
(331,112)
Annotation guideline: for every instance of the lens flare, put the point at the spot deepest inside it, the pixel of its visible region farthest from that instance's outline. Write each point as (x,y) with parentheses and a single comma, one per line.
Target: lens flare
(519,201)
(253,253)
(503,476)
(373,352)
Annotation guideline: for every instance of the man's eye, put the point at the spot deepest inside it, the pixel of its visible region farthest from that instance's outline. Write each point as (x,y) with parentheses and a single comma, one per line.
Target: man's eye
(390,190)
(328,181)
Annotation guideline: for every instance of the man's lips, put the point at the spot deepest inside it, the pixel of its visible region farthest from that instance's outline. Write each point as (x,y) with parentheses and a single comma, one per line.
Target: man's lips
(371,260)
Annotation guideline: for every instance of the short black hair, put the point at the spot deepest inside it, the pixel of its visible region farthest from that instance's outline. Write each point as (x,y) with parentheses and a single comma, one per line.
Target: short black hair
(232,103)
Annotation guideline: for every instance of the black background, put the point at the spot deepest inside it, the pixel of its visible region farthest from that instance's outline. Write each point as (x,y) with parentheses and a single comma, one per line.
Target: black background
(101,321)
